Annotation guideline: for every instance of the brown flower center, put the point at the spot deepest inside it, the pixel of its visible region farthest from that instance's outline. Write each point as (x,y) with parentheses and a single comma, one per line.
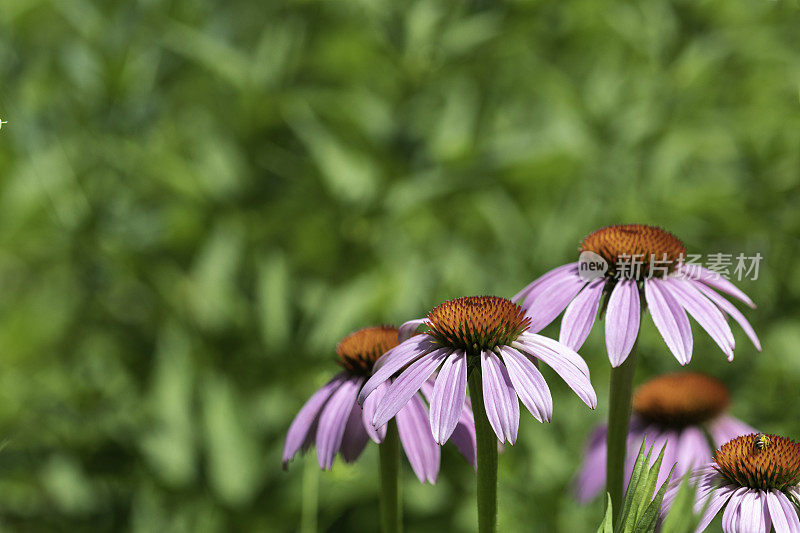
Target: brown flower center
(476,323)
(358,351)
(635,251)
(774,465)
(680,399)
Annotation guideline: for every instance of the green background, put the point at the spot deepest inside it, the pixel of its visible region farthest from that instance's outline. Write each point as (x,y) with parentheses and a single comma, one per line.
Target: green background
(198,199)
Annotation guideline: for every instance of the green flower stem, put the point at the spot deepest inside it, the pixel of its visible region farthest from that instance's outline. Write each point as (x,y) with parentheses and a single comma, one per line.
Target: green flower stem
(487,458)
(391,519)
(619,415)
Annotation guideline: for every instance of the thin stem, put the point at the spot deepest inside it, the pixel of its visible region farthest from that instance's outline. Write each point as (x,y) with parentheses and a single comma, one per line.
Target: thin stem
(391,519)
(619,415)
(487,458)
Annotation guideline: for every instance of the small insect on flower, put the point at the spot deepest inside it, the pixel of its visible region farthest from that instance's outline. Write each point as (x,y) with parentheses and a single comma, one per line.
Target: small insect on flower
(762,441)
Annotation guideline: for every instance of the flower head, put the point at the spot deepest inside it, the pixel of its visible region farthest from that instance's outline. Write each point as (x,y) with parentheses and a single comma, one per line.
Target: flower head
(642,262)
(484,333)
(335,422)
(758,485)
(681,411)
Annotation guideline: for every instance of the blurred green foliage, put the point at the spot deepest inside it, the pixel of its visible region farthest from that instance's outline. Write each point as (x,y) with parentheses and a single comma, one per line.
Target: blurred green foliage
(198,199)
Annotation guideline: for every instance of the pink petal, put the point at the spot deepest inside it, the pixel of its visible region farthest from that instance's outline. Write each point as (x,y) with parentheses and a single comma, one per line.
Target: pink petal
(704,312)
(333,420)
(564,361)
(783,512)
(729,308)
(308,417)
(532,290)
(449,393)
(670,320)
(499,398)
(725,428)
(406,385)
(395,359)
(622,321)
(713,279)
(551,301)
(529,384)
(408,329)
(415,436)
(368,413)
(580,314)
(355,436)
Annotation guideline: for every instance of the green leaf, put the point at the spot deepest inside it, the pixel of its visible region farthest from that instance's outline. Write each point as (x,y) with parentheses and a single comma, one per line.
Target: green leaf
(607,526)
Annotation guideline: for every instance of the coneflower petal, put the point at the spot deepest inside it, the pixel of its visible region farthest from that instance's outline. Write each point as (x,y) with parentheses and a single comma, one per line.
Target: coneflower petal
(368,413)
(529,384)
(715,280)
(726,428)
(449,393)
(406,385)
(783,512)
(333,420)
(415,436)
(552,301)
(499,398)
(670,320)
(705,313)
(563,361)
(580,314)
(730,309)
(394,360)
(408,329)
(718,500)
(305,419)
(551,277)
(355,436)
(464,437)
(622,321)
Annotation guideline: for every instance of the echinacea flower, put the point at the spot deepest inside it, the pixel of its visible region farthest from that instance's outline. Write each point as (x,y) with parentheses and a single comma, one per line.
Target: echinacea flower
(483,332)
(756,479)
(684,411)
(333,419)
(640,260)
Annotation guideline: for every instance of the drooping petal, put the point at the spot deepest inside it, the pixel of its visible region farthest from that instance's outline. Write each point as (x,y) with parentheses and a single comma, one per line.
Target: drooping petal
(532,290)
(580,314)
(499,398)
(406,385)
(670,320)
(783,512)
(307,417)
(704,312)
(692,451)
(730,517)
(464,437)
(730,309)
(408,329)
(394,360)
(333,420)
(570,354)
(548,304)
(715,280)
(725,428)
(415,436)
(449,393)
(565,363)
(368,413)
(355,436)
(529,384)
(622,321)
(718,499)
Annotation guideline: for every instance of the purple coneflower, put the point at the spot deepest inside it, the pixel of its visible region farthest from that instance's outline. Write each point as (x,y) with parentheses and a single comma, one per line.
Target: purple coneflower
(640,259)
(684,411)
(482,332)
(756,479)
(333,419)
(483,340)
